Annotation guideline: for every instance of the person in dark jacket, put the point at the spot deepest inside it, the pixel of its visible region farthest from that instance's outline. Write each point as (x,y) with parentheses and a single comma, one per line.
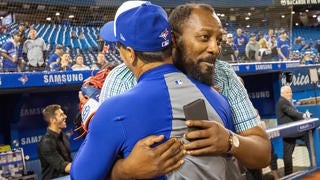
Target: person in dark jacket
(287,113)
(54,148)
(228,49)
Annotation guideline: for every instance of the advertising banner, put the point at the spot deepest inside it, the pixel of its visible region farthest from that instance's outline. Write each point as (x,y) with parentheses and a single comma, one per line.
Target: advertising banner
(301,85)
(41,79)
(260,89)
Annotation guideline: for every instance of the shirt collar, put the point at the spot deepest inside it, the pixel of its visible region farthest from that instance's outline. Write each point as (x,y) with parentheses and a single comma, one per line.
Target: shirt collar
(15,44)
(160,70)
(56,135)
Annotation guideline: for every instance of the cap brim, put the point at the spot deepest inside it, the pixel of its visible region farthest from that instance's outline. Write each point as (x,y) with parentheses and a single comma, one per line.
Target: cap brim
(107,32)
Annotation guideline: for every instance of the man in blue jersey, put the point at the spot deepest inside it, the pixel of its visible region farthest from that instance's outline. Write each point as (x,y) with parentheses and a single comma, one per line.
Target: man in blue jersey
(154,106)
(55,57)
(240,41)
(283,46)
(12,54)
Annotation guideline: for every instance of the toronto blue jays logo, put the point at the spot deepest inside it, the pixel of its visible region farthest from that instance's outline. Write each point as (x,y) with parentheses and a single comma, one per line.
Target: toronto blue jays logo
(247,67)
(23,79)
(164,34)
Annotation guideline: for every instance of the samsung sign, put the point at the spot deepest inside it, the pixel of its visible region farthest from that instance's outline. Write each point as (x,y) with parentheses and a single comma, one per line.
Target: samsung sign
(62,78)
(298,2)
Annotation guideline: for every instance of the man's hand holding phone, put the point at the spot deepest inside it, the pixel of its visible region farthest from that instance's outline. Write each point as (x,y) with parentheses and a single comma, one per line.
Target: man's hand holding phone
(206,137)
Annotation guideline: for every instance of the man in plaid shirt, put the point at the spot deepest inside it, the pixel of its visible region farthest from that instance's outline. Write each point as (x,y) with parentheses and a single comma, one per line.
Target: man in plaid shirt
(244,116)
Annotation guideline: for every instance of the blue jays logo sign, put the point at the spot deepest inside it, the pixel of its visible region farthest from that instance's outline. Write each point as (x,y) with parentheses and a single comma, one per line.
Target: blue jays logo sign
(23,79)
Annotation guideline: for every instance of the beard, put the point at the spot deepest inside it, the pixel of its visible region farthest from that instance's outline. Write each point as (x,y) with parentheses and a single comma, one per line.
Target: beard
(201,70)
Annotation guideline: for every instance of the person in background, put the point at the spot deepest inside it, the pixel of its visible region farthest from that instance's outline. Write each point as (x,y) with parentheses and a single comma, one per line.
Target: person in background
(55,57)
(240,41)
(317,46)
(3,29)
(64,63)
(54,148)
(272,45)
(35,49)
(252,49)
(283,46)
(81,35)
(79,63)
(310,46)
(307,58)
(287,113)
(228,50)
(74,35)
(22,28)
(12,54)
(269,35)
(100,43)
(264,51)
(101,61)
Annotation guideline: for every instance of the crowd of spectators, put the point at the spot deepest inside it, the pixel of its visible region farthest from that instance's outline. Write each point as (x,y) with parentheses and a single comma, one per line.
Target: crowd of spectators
(241,47)
(28,52)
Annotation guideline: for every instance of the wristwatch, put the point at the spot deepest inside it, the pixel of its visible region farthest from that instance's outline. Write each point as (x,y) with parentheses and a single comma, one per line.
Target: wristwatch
(234,143)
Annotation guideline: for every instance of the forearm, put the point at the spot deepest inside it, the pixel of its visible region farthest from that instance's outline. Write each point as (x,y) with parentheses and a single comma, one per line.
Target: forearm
(120,171)
(260,154)
(292,112)
(281,54)
(7,56)
(145,162)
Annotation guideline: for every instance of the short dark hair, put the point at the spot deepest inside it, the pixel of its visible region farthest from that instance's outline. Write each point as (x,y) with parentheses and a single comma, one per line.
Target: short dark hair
(58,46)
(17,33)
(49,112)
(182,12)
(149,57)
(78,55)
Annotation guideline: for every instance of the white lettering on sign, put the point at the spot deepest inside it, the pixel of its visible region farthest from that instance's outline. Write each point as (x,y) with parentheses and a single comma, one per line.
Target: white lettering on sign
(259,94)
(263,66)
(298,2)
(30,111)
(30,140)
(62,78)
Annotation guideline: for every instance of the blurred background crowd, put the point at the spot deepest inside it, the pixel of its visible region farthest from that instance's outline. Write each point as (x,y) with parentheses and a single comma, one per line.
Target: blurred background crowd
(56,38)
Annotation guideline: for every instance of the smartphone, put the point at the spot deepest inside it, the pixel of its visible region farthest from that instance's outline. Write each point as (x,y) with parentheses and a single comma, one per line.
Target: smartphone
(195,110)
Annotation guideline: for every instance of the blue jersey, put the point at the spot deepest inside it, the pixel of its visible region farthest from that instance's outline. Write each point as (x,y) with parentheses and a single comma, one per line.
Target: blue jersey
(53,58)
(153,107)
(14,51)
(240,43)
(284,47)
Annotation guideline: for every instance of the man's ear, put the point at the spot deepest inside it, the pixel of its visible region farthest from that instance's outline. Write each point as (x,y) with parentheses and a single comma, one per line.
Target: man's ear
(52,120)
(131,56)
(174,39)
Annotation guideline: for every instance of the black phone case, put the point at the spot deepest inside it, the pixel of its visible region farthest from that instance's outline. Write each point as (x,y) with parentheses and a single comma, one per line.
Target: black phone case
(196,110)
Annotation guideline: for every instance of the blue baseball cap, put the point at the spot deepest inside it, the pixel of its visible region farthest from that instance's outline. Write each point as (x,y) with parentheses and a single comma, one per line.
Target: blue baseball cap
(140,25)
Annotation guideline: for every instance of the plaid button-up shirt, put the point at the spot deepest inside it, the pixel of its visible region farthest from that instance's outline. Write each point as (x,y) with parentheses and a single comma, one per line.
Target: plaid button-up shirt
(244,115)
